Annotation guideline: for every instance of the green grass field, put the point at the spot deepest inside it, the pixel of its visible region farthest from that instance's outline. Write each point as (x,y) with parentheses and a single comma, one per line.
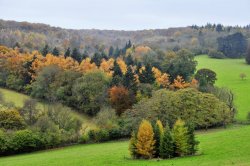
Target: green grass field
(218,147)
(228,71)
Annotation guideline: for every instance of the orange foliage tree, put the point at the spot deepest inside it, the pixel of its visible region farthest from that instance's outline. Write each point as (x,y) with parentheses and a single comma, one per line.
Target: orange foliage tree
(120,99)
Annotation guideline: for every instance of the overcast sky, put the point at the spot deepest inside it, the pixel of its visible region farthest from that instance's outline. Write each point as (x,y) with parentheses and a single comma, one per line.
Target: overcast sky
(126,14)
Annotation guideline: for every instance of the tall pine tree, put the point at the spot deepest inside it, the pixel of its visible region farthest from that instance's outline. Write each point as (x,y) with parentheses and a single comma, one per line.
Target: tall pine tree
(45,50)
(55,52)
(248,55)
(129,80)
(147,75)
(166,144)
(76,55)
(67,52)
(158,133)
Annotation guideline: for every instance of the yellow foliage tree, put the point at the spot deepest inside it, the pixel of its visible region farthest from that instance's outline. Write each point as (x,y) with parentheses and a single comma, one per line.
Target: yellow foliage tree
(145,140)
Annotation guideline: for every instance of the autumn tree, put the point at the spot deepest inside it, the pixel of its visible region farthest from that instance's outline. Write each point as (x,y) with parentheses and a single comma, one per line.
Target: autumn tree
(179,83)
(120,99)
(145,144)
(181,138)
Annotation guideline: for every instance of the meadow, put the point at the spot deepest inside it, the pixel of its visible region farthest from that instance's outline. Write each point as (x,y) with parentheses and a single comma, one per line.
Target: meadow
(217,147)
(228,75)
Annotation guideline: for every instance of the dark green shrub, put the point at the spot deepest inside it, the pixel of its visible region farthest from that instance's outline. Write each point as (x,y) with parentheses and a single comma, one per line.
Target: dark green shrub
(24,141)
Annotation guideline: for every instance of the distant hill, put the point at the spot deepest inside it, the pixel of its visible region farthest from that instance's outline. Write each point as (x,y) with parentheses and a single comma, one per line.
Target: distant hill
(30,36)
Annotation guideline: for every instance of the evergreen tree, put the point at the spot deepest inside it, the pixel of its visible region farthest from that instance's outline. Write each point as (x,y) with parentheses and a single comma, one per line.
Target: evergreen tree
(193,144)
(76,55)
(132,146)
(181,138)
(139,66)
(117,70)
(248,55)
(129,80)
(85,54)
(111,51)
(158,133)
(117,52)
(129,44)
(45,50)
(97,59)
(147,75)
(67,52)
(167,144)
(145,140)
(55,52)
(129,60)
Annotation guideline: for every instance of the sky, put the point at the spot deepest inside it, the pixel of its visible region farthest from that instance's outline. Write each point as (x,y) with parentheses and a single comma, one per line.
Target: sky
(126,14)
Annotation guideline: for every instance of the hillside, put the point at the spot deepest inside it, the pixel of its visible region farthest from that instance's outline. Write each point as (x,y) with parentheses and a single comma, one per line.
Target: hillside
(32,36)
(18,99)
(228,75)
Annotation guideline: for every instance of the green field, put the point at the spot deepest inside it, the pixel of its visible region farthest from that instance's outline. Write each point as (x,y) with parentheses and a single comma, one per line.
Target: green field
(218,147)
(228,71)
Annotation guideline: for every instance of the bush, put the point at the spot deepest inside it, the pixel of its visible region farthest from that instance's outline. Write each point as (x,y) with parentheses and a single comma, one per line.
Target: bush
(98,135)
(216,54)
(24,141)
(11,119)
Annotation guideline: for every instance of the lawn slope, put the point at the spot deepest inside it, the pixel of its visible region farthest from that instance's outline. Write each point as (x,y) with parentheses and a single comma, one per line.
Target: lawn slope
(18,99)
(228,71)
(223,147)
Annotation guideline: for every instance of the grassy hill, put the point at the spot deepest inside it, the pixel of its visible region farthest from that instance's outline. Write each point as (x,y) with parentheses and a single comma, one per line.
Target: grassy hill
(217,147)
(228,71)
(18,99)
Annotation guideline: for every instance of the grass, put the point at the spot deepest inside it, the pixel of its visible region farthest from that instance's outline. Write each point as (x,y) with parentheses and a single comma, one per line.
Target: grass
(218,147)
(228,71)
(18,99)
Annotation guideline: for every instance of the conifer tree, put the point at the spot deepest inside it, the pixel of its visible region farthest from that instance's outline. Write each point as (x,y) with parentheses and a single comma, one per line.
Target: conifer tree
(158,133)
(129,80)
(67,52)
(147,75)
(145,140)
(129,60)
(167,144)
(55,52)
(111,51)
(85,54)
(117,70)
(248,55)
(193,144)
(76,55)
(45,50)
(180,136)
(132,146)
